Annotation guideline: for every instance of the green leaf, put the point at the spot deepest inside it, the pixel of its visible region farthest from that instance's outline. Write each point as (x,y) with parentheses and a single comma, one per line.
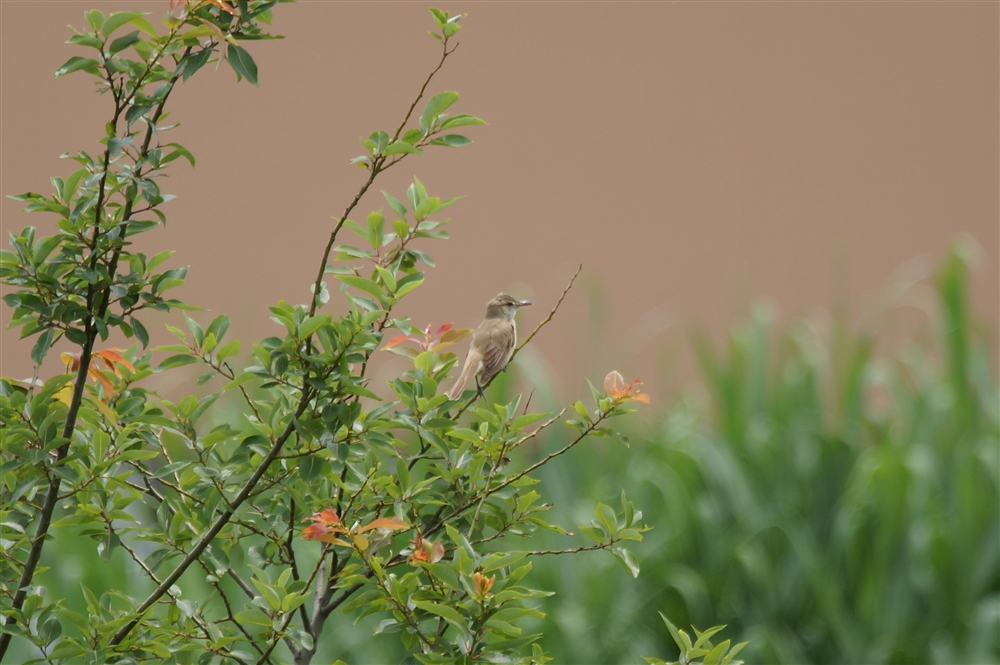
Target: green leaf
(228,349)
(451,140)
(607,516)
(45,247)
(123,43)
(400,147)
(376,224)
(144,25)
(379,141)
(41,346)
(76,63)
(713,656)
(461,541)
(311,466)
(179,151)
(159,258)
(628,560)
(365,285)
(705,636)
(312,324)
(140,331)
(435,105)
(117,20)
(447,613)
(176,361)
(387,278)
(407,287)
(683,642)
(732,654)
(218,327)
(193,62)
(242,63)
(439,16)
(394,203)
(86,40)
(402,474)
(461,120)
(95,18)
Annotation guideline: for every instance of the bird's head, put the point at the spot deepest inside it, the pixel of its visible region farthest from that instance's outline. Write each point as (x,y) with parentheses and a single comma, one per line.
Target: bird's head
(504,307)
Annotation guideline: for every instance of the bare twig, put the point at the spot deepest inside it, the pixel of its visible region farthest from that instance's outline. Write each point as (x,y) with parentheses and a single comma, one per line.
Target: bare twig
(552,313)
(588,548)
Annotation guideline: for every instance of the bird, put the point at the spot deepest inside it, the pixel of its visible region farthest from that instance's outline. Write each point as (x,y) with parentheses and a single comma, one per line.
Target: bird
(492,344)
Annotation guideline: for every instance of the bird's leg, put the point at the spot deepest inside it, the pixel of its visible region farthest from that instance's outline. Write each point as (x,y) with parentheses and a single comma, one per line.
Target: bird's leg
(479,388)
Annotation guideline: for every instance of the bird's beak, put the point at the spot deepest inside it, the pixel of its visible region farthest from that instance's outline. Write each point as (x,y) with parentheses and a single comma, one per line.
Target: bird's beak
(523,303)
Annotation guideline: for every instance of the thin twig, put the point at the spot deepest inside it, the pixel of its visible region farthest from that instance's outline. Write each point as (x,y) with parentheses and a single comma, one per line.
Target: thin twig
(551,314)
(588,548)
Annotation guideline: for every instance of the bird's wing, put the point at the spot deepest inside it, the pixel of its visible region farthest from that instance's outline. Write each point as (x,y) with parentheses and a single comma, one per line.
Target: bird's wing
(497,351)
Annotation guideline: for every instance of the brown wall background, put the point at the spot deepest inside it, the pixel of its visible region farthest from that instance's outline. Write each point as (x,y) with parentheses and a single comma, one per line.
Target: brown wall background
(692,156)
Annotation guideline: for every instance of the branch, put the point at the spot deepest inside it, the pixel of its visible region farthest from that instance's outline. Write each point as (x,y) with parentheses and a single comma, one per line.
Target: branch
(545,460)
(588,548)
(444,56)
(376,168)
(551,314)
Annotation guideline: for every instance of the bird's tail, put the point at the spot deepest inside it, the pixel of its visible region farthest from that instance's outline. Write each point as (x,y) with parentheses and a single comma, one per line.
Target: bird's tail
(470,369)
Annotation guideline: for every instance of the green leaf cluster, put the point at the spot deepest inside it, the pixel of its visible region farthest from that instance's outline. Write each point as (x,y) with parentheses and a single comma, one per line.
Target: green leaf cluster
(701,651)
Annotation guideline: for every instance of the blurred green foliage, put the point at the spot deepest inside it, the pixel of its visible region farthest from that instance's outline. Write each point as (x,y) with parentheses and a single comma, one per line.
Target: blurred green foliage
(830,504)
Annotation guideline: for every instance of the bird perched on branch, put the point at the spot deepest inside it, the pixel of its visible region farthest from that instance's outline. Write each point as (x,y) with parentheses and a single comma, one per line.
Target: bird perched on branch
(492,344)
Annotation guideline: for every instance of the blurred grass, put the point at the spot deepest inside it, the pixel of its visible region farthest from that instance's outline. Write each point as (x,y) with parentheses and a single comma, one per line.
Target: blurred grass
(831,504)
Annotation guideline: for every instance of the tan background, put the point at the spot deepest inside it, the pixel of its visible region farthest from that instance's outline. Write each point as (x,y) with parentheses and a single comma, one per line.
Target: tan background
(692,156)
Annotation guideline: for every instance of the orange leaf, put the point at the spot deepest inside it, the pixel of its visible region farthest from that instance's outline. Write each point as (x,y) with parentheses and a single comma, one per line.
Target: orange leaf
(328,517)
(443,329)
(482,584)
(385,523)
(322,533)
(112,357)
(396,341)
(98,375)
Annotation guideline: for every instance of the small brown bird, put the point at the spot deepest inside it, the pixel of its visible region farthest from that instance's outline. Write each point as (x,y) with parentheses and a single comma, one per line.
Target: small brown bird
(492,344)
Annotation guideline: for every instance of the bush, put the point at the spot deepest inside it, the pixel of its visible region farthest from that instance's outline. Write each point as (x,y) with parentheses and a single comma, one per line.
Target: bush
(415,508)
(830,504)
